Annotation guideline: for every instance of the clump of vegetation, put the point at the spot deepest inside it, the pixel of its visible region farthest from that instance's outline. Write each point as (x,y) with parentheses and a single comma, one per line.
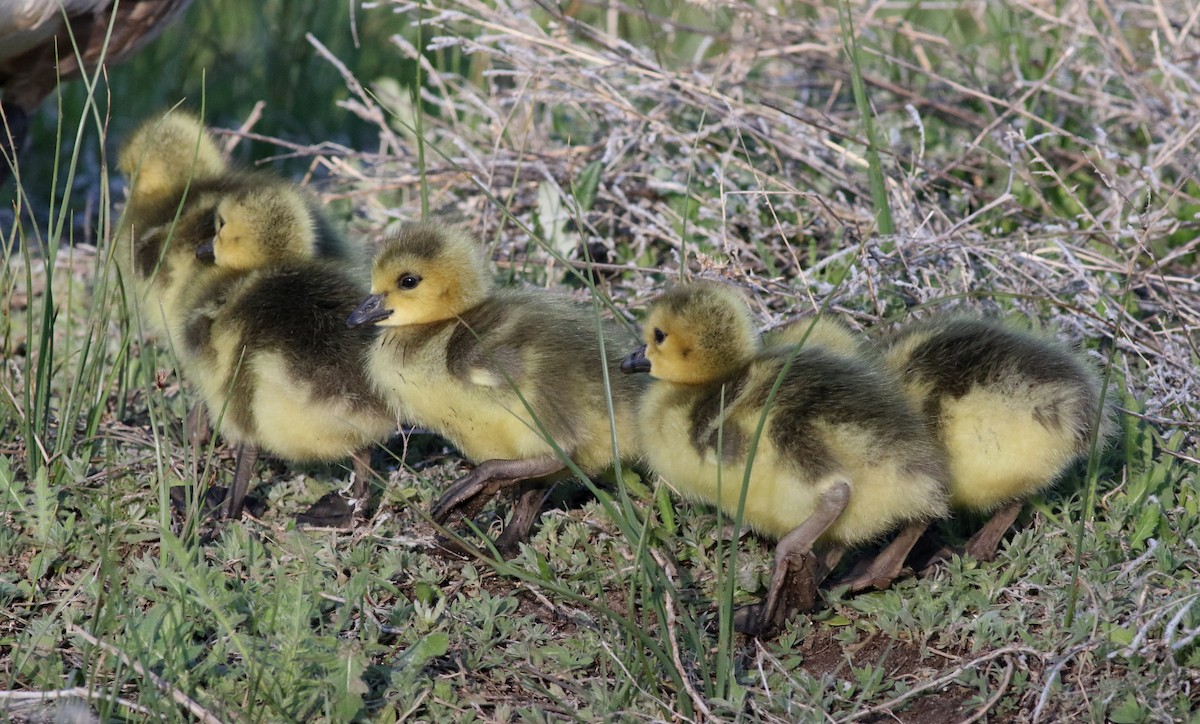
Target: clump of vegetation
(1031,160)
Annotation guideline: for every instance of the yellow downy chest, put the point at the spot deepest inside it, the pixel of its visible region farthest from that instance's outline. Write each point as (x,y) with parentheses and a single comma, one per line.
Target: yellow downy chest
(775,503)
(485,423)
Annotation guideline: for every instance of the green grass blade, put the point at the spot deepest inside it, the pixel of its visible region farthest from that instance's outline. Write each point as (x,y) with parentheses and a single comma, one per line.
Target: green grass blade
(879,195)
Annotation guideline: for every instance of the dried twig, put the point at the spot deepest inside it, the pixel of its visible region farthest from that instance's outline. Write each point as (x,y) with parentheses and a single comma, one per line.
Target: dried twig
(941,680)
(673,638)
(194,708)
(77,692)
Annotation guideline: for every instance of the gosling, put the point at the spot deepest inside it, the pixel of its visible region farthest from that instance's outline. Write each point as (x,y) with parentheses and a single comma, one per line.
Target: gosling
(1013,409)
(263,341)
(515,379)
(843,458)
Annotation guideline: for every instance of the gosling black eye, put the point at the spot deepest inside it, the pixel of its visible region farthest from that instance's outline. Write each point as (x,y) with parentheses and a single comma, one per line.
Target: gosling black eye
(408,281)
(659,336)
(220,223)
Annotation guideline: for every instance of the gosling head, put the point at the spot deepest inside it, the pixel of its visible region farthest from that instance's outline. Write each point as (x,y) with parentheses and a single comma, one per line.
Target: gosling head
(256,226)
(165,152)
(426,273)
(695,333)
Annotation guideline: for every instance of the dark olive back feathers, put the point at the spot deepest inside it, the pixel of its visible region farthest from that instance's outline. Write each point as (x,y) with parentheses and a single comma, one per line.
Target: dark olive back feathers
(297,310)
(966,352)
(821,387)
(331,242)
(818,388)
(517,334)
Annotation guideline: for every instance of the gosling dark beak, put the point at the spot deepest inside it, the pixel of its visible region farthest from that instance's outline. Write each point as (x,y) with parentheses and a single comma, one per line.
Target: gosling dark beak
(636,362)
(204,251)
(368,312)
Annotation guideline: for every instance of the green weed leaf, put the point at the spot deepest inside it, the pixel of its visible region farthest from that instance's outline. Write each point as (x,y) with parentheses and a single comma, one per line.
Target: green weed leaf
(1128,711)
(430,647)
(349,687)
(552,218)
(12,495)
(586,184)
(1147,523)
(1120,636)
(45,505)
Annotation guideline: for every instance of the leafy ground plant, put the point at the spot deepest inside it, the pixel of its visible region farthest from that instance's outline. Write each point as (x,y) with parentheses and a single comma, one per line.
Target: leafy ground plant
(1035,159)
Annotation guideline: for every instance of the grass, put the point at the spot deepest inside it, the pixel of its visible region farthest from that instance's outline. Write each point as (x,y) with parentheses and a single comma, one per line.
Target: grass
(1046,173)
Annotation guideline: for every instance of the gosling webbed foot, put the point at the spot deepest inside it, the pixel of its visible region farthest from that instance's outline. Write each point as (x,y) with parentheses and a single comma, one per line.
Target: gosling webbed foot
(983,545)
(332,510)
(793,591)
(464,498)
(210,503)
(527,505)
(887,565)
(342,509)
(472,492)
(748,620)
(797,570)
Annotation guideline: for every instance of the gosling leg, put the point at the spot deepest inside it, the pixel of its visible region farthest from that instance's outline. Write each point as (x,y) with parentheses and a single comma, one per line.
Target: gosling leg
(236,500)
(469,494)
(526,506)
(333,509)
(982,546)
(827,560)
(197,429)
(794,579)
(879,572)
(198,433)
(361,488)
